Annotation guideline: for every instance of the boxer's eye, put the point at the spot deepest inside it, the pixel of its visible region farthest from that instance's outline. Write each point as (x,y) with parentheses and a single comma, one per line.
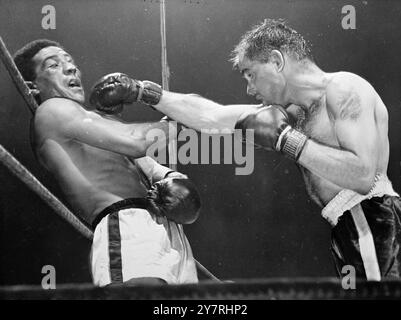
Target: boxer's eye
(248,76)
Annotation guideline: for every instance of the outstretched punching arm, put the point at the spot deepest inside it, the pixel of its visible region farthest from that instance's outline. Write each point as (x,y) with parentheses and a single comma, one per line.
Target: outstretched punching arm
(194,111)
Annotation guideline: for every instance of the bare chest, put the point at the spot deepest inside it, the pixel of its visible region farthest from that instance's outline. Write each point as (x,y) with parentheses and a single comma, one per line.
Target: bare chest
(318,126)
(75,162)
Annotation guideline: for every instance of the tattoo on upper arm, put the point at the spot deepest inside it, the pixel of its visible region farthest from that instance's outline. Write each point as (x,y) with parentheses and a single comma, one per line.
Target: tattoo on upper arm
(349,106)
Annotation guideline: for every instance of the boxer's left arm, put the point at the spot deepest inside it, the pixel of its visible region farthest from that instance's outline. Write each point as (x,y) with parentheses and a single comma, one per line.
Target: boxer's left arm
(353,164)
(151,171)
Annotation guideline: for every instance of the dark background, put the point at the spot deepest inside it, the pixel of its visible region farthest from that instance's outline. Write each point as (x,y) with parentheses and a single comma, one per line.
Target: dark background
(261,225)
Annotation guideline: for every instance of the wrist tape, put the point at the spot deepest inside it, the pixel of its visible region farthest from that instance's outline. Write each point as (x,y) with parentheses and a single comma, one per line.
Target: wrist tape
(291,142)
(149,92)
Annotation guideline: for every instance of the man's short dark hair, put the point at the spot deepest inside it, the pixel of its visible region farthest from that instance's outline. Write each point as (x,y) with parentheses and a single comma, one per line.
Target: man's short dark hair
(258,43)
(23,57)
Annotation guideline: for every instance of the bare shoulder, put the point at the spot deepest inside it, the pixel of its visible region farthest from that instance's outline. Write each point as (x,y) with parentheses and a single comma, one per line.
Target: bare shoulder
(58,110)
(348,95)
(55,114)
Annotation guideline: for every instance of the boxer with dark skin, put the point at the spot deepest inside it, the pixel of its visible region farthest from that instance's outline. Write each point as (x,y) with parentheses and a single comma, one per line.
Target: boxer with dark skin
(333,125)
(99,162)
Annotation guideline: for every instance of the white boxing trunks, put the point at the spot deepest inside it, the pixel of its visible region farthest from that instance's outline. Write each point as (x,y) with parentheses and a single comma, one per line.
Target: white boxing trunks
(129,242)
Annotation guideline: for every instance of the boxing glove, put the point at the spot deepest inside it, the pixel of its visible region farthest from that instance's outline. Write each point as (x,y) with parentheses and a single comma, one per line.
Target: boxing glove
(177,199)
(113,90)
(272,131)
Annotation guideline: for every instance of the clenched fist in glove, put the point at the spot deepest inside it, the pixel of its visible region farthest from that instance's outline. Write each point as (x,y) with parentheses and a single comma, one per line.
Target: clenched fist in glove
(110,92)
(177,199)
(272,131)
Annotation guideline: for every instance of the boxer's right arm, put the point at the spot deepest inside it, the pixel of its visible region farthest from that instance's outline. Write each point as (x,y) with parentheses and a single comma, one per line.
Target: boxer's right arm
(177,199)
(200,113)
(170,193)
(65,119)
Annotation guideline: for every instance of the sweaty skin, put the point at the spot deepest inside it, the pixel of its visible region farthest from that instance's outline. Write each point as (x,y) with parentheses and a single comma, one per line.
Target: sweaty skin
(95,159)
(93,170)
(348,127)
(341,113)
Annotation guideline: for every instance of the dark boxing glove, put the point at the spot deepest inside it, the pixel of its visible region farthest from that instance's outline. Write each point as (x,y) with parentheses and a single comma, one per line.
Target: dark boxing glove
(110,92)
(177,199)
(272,131)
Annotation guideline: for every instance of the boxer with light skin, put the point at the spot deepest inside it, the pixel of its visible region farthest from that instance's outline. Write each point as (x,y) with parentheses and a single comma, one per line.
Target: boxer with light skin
(135,205)
(333,125)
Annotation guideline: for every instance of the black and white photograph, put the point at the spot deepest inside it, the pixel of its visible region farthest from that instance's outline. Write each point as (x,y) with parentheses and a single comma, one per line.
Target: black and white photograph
(219,151)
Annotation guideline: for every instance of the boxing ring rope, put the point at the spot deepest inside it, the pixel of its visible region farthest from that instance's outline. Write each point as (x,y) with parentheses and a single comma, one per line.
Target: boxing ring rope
(34,184)
(251,289)
(16,77)
(165,69)
(172,146)
(17,168)
(27,178)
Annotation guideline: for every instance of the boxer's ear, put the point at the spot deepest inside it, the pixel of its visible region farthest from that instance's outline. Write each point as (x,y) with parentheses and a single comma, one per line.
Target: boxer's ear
(32,88)
(277,58)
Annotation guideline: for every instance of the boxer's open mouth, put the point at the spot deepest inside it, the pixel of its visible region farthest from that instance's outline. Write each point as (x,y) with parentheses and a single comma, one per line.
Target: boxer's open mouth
(75,83)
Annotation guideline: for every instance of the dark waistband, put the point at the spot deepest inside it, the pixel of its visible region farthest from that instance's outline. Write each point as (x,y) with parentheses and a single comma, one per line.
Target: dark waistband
(140,203)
